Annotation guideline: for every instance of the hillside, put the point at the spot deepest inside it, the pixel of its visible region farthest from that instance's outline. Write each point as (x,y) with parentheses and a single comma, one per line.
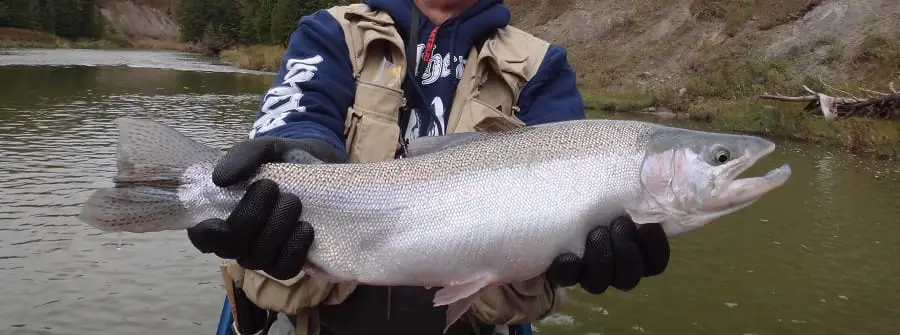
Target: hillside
(90,24)
(709,60)
(615,44)
(142,18)
(644,43)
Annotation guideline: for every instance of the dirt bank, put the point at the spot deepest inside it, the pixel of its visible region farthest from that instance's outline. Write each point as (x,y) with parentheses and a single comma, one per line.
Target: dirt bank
(708,60)
(142,19)
(615,43)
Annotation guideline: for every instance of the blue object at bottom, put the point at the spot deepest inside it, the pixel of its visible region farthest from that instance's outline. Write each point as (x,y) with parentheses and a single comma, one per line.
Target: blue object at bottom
(520,329)
(225,319)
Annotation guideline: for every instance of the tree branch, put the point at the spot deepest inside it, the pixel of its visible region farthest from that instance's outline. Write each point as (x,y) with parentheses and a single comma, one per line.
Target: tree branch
(878,105)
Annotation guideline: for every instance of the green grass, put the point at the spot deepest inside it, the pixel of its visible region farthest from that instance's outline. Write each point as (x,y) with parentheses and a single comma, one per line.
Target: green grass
(618,101)
(23,38)
(773,119)
(254,57)
(62,43)
(722,91)
(878,59)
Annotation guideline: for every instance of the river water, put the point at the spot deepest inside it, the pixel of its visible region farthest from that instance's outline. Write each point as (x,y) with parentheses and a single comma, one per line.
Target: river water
(815,257)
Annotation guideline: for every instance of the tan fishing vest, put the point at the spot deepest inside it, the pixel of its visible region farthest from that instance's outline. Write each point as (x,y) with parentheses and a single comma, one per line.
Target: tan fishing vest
(485,100)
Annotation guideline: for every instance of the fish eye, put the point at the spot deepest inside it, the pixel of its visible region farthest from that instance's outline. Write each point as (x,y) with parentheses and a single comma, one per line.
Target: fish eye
(722,156)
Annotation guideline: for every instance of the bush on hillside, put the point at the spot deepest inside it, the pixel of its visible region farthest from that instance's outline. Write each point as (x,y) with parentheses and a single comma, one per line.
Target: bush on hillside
(224,24)
(66,18)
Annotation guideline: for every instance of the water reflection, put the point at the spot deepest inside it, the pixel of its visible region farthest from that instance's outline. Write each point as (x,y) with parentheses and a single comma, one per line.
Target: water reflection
(815,258)
(58,143)
(29,87)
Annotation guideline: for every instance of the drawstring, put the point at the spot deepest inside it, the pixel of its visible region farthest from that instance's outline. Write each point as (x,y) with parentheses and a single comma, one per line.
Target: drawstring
(413,41)
(429,45)
(415,69)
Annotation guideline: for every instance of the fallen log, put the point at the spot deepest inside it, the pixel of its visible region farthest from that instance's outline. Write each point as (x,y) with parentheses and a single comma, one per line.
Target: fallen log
(876,105)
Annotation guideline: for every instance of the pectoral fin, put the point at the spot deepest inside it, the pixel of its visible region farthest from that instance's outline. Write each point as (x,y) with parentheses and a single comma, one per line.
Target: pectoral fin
(459,298)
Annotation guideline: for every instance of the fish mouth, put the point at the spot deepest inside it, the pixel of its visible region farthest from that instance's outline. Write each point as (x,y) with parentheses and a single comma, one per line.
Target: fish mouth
(760,149)
(752,188)
(741,192)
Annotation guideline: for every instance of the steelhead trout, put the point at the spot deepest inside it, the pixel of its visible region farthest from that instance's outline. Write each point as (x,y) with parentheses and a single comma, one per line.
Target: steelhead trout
(465,210)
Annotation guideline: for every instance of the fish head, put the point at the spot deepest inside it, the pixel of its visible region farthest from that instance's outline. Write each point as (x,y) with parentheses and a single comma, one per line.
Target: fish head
(690,177)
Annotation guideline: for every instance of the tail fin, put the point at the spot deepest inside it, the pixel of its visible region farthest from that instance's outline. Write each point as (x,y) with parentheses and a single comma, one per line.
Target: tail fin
(151,158)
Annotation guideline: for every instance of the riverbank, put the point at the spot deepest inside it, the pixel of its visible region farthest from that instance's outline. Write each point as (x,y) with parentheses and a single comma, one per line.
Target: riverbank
(783,120)
(723,93)
(254,57)
(22,38)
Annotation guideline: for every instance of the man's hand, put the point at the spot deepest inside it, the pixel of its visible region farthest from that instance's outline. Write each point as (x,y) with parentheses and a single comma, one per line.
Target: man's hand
(617,255)
(263,232)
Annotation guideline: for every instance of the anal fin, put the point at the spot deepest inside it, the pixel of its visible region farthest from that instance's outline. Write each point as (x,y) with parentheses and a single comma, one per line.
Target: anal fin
(458,298)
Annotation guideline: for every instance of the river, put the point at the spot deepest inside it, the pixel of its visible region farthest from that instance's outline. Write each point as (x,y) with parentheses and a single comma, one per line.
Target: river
(815,257)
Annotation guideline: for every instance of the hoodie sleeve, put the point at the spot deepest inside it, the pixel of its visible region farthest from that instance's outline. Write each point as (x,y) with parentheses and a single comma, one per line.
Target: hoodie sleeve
(552,94)
(313,88)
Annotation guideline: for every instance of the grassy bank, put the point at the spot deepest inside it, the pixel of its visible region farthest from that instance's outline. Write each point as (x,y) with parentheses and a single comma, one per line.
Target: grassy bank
(254,57)
(21,38)
(722,89)
(775,120)
(722,93)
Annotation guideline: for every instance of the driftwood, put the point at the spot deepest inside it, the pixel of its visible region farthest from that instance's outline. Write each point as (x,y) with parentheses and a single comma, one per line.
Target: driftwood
(874,105)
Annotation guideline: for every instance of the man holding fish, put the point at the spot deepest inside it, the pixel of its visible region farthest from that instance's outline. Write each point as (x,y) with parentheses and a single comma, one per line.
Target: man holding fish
(346,92)
(456,201)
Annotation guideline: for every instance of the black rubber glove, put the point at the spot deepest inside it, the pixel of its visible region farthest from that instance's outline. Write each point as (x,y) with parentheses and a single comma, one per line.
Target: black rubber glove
(263,232)
(618,255)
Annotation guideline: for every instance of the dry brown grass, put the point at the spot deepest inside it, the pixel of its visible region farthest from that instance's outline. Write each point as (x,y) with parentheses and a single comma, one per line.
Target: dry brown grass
(23,38)
(17,34)
(765,14)
(148,43)
(165,6)
(538,11)
(254,57)
(633,55)
(877,60)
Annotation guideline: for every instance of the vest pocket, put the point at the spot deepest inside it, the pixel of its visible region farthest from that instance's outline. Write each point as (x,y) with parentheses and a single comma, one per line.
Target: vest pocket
(372,128)
(371,137)
(478,116)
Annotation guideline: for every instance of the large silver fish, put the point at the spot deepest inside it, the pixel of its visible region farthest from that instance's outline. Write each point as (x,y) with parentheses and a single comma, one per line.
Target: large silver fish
(465,210)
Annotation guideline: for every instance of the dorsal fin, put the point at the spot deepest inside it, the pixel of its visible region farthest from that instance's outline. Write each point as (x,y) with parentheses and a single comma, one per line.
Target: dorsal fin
(428,144)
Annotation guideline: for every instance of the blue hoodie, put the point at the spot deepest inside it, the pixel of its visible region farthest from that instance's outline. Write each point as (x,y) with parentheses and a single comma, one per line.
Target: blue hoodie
(314,85)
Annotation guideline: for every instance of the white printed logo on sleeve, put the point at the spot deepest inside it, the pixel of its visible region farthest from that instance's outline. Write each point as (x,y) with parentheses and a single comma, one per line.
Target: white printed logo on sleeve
(280,101)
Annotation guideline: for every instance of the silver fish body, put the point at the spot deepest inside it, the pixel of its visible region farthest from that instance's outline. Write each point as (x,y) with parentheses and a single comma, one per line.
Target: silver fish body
(471,210)
(467,211)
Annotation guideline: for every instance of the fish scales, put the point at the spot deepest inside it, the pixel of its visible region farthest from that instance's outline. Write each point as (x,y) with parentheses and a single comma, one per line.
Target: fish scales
(466,210)
(424,219)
